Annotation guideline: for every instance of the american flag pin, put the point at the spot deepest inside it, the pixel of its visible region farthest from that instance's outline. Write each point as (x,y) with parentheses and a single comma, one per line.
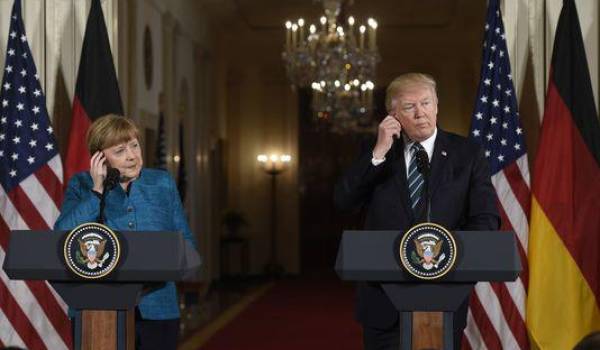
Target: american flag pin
(444,153)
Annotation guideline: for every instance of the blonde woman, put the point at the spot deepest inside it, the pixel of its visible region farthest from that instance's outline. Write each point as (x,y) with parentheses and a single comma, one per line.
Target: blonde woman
(145,200)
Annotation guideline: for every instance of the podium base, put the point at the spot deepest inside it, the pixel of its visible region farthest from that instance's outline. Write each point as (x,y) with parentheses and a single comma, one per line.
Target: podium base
(406,330)
(104,330)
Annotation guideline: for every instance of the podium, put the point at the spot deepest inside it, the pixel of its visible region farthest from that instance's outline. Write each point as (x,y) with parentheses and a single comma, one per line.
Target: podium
(148,259)
(373,256)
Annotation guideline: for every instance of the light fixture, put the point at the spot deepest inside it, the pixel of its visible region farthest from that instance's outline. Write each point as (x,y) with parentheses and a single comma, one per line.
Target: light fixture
(337,60)
(274,163)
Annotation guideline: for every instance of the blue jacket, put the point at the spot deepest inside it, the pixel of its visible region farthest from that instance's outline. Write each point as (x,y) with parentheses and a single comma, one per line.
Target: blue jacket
(153,204)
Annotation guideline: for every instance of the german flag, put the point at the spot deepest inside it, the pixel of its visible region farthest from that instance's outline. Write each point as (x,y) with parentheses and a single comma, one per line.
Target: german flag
(96,91)
(564,248)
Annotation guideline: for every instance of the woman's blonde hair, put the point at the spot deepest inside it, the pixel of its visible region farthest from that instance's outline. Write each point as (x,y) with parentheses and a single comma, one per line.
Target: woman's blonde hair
(406,81)
(110,130)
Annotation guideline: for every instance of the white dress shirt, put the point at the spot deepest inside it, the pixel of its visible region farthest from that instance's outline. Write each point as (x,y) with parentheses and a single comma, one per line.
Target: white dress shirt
(427,144)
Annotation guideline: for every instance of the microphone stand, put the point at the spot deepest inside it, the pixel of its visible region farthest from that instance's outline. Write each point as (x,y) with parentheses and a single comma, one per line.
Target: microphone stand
(112,178)
(427,199)
(423,167)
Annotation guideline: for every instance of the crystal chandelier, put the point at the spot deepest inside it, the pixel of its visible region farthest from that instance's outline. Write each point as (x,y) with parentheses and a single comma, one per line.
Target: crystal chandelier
(338,63)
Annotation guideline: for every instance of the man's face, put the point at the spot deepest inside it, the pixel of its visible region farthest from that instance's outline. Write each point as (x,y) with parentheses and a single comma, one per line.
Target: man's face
(416,110)
(126,157)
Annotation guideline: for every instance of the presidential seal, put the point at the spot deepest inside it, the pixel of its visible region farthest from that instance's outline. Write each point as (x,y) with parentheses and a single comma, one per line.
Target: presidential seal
(92,250)
(428,251)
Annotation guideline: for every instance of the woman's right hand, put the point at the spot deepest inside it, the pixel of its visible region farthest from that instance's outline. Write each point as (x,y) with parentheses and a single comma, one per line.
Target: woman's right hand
(98,171)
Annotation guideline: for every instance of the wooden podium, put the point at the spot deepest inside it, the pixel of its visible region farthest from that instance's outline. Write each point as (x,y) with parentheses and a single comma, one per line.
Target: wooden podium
(373,256)
(104,317)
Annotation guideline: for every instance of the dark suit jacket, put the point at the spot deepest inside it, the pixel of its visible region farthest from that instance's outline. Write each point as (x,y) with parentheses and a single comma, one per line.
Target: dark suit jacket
(462,198)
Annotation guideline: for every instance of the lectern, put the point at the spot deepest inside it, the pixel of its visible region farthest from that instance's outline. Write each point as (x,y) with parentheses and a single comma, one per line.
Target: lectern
(373,256)
(148,259)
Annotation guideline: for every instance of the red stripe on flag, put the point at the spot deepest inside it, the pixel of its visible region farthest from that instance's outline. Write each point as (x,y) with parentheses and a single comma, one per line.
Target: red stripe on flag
(506,226)
(26,209)
(19,320)
(11,308)
(4,233)
(519,187)
(78,157)
(51,184)
(511,314)
(39,289)
(52,309)
(486,329)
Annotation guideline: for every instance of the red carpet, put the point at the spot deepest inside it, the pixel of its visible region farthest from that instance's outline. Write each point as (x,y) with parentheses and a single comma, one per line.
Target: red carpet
(295,314)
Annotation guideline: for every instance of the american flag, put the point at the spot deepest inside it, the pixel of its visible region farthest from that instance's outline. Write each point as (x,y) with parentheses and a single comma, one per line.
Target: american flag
(32,315)
(496,317)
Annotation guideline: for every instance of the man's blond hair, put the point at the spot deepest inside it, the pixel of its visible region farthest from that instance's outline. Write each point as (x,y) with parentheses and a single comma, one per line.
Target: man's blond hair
(404,82)
(110,130)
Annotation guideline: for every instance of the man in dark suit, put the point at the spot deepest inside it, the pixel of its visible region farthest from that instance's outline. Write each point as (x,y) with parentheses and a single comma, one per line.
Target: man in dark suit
(385,182)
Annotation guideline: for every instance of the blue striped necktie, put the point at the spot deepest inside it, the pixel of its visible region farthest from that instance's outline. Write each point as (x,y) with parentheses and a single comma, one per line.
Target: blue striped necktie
(415,178)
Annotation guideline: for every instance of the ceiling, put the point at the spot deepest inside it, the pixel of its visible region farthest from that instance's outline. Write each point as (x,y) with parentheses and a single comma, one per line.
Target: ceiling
(271,14)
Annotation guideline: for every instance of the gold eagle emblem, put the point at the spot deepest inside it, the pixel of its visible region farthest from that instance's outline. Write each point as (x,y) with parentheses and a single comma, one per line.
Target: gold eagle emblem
(92,250)
(428,253)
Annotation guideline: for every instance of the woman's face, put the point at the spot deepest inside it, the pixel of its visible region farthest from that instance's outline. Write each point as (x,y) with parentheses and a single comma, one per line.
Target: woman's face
(126,157)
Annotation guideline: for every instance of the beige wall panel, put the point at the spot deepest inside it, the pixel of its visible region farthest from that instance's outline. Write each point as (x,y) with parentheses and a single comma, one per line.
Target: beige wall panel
(289,225)
(33,16)
(192,23)
(206,141)
(516,25)
(187,105)
(251,185)
(148,16)
(5,8)
(262,119)
(535,34)
(61,67)
(183,73)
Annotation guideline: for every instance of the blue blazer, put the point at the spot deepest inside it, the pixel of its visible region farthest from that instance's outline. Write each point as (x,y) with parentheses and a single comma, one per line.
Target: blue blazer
(153,204)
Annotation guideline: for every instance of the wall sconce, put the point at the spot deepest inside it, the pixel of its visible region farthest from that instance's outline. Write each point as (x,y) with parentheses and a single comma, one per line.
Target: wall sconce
(274,164)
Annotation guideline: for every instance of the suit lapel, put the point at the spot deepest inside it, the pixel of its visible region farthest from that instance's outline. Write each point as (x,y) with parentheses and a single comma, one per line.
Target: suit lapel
(438,161)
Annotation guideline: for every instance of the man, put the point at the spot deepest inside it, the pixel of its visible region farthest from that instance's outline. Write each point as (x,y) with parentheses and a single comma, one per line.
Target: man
(385,183)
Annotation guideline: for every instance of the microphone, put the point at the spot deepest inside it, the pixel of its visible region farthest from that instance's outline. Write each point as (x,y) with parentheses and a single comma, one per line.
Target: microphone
(423,163)
(424,168)
(111,180)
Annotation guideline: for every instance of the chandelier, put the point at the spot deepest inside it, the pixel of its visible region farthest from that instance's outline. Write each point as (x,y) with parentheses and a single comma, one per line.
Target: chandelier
(338,63)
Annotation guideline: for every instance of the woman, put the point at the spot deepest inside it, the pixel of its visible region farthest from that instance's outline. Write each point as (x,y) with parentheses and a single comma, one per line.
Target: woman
(146,200)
